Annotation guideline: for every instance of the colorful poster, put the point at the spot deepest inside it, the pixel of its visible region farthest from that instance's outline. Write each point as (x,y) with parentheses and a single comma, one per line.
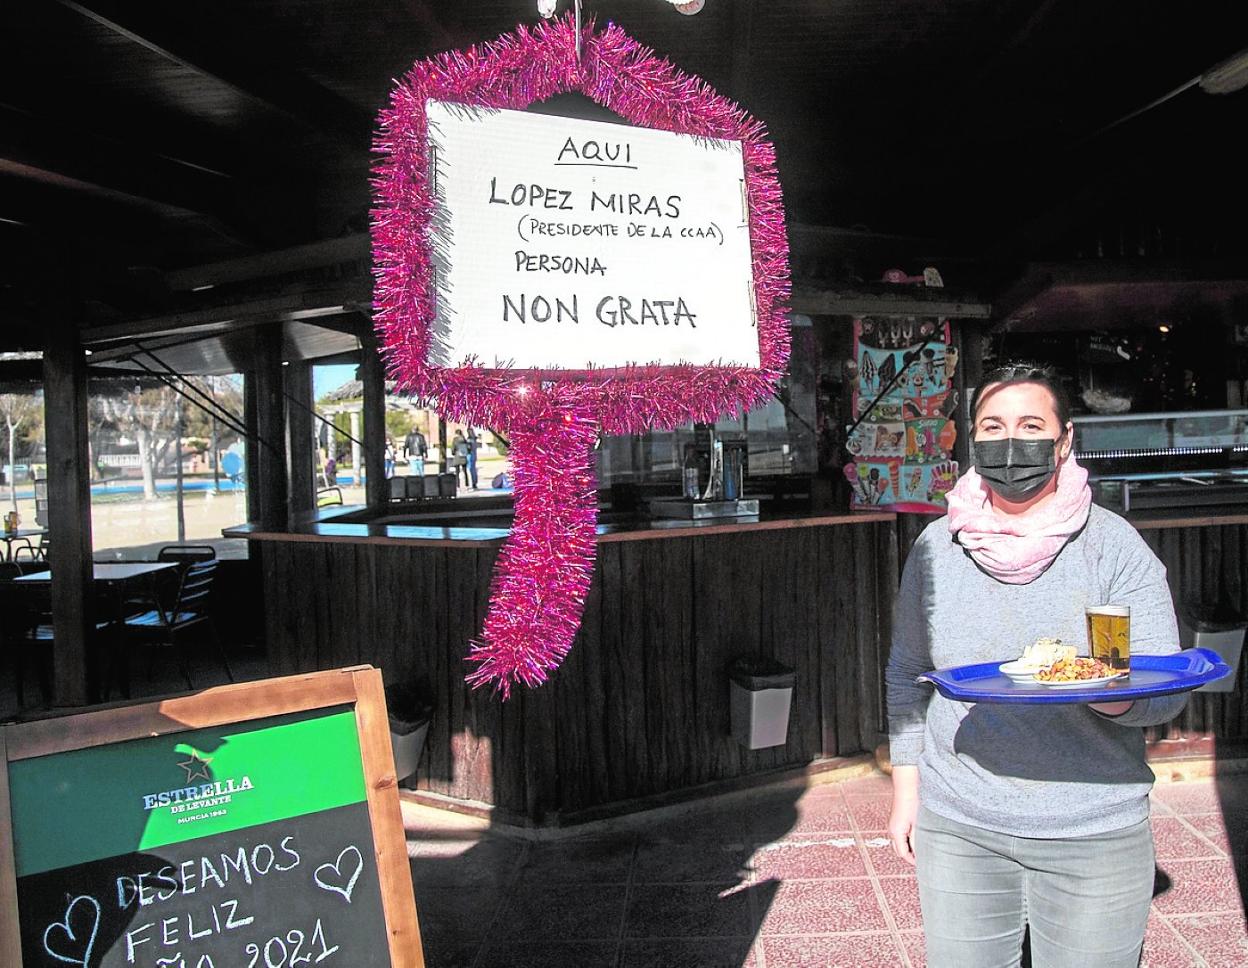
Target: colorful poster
(903,402)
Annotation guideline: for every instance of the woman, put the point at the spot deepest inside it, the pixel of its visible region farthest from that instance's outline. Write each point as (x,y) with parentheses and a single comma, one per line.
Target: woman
(459,456)
(1024,816)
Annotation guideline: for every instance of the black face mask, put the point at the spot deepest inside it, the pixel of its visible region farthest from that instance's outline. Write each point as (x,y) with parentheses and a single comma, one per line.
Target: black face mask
(1014,468)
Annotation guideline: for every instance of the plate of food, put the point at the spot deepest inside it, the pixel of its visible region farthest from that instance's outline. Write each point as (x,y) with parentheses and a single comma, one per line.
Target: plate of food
(1150,675)
(1075,671)
(1041,654)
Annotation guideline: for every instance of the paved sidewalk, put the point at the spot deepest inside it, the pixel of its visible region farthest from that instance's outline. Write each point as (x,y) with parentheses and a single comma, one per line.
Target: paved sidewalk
(781,879)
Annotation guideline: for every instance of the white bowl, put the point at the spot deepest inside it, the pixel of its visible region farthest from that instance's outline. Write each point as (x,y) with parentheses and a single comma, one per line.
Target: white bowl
(1020,671)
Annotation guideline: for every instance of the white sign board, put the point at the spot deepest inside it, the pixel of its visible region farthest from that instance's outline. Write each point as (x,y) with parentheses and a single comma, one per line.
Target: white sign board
(564,244)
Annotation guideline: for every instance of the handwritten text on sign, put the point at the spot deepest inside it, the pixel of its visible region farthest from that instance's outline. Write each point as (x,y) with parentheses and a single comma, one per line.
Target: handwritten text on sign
(250,846)
(563,243)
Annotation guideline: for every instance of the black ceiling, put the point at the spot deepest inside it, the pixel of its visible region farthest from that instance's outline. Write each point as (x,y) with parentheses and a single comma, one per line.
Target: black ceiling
(140,137)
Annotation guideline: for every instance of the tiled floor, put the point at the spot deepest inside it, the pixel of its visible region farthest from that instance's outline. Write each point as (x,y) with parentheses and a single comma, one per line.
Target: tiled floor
(783,879)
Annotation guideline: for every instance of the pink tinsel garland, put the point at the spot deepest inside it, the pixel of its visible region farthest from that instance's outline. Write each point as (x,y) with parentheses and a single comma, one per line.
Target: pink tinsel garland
(544,569)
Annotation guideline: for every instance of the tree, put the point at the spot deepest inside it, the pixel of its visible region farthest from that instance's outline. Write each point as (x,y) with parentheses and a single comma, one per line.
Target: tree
(227,393)
(17,408)
(147,415)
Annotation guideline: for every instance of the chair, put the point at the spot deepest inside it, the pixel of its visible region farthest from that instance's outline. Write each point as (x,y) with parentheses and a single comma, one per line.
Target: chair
(180,554)
(328,496)
(37,552)
(16,549)
(397,488)
(26,626)
(186,615)
(26,630)
(414,487)
(184,554)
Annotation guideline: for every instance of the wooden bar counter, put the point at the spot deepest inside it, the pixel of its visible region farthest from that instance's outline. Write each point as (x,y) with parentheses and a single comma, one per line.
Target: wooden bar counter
(1206,559)
(640,707)
(639,711)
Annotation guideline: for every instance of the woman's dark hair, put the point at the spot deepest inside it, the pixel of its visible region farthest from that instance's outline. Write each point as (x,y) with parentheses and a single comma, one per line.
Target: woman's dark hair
(1020,371)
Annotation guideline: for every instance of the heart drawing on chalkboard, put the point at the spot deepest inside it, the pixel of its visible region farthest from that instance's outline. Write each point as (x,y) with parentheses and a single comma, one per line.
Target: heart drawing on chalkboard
(63,940)
(333,883)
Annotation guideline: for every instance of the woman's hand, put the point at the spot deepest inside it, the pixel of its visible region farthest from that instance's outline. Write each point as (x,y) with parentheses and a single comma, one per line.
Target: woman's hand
(1112,708)
(905,810)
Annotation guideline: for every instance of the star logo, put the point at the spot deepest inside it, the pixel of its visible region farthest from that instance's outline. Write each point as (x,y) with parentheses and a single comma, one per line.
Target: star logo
(196,766)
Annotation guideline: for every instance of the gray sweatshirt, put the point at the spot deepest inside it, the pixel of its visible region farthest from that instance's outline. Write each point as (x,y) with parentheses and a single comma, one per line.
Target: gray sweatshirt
(1029,770)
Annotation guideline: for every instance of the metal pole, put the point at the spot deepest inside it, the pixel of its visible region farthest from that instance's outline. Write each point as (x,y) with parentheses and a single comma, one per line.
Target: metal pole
(355,448)
(216,454)
(177,458)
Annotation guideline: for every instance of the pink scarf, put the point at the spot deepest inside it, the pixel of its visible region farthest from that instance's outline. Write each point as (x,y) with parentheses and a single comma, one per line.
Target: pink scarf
(1017,548)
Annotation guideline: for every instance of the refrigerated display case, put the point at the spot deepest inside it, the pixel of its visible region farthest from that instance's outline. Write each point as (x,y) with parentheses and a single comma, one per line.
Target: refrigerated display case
(1140,461)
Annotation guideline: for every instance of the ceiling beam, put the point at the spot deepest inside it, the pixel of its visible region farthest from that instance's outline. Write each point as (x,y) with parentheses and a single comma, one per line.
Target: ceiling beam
(224,57)
(295,304)
(348,248)
(823,302)
(41,150)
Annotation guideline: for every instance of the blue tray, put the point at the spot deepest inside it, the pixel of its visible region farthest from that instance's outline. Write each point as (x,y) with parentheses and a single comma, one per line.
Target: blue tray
(1151,675)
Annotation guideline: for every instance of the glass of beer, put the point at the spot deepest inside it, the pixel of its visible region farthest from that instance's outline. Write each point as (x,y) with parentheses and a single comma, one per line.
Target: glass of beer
(1109,635)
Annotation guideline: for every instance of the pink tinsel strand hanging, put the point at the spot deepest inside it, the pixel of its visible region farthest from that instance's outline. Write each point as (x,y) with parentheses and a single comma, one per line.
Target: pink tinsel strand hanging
(544,570)
(546,565)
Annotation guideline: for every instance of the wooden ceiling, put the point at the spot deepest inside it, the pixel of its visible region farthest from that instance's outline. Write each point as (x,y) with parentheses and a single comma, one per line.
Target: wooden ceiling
(139,137)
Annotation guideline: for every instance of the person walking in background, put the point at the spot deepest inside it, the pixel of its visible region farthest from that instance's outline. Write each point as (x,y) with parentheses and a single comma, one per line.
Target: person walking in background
(473,443)
(331,471)
(415,450)
(389,457)
(459,455)
(1024,816)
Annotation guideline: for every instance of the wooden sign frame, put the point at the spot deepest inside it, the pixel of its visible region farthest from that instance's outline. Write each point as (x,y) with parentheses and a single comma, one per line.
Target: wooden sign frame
(358,686)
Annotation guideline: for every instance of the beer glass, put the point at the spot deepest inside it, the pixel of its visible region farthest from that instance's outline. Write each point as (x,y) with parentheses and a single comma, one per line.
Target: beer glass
(1109,635)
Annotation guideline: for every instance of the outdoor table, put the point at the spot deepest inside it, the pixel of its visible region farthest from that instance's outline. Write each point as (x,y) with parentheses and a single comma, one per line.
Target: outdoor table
(109,573)
(20,534)
(116,577)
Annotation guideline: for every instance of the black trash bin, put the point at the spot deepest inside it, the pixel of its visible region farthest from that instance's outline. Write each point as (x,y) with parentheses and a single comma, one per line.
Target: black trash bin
(409,725)
(1219,628)
(761,695)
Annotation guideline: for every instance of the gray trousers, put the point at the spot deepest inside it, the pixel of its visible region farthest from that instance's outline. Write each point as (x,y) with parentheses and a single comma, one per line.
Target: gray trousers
(1085,899)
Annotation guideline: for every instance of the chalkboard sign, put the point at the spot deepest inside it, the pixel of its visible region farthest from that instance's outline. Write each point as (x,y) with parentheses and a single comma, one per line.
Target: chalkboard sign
(254,825)
(566,243)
